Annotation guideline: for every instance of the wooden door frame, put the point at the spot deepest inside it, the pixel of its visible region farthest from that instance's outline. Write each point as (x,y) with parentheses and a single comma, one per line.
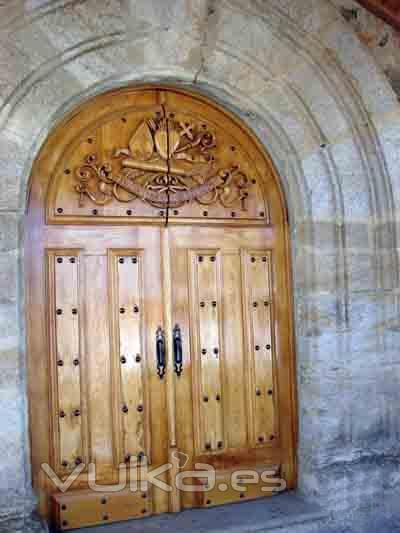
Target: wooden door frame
(40,188)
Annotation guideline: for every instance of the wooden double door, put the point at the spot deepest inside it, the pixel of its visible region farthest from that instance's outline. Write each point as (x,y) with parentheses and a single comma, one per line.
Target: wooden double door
(168,349)
(159,313)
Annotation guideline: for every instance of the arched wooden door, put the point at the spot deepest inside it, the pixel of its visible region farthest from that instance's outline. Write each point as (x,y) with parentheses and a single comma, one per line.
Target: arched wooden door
(160,334)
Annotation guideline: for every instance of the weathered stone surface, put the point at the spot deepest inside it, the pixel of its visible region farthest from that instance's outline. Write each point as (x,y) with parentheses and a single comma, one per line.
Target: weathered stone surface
(298,75)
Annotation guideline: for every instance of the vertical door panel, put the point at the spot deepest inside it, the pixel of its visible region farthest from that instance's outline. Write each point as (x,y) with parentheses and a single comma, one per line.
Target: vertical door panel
(127,307)
(98,361)
(256,267)
(65,341)
(207,346)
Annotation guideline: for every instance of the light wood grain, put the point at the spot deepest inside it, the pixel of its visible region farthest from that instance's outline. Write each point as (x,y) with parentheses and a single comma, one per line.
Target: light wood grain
(167,283)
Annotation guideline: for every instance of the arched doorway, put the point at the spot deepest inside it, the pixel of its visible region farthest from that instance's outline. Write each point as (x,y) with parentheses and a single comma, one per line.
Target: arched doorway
(159,309)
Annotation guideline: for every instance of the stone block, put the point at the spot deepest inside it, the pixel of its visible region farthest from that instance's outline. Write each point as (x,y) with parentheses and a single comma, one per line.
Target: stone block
(9,272)
(9,232)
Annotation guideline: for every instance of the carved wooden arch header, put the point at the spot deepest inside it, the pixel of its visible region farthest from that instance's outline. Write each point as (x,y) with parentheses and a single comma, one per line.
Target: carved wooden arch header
(155,154)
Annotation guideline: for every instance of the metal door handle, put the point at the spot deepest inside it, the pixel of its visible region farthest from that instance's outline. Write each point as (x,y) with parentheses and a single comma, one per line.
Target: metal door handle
(160,351)
(178,358)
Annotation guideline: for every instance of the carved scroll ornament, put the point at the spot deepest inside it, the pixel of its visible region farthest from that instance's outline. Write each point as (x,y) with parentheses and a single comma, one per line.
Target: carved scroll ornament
(167,164)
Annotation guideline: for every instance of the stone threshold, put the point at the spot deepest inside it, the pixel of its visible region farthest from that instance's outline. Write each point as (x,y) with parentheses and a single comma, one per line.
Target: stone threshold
(287,512)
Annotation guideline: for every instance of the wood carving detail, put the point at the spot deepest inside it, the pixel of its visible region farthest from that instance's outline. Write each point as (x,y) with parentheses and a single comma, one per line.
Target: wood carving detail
(168,163)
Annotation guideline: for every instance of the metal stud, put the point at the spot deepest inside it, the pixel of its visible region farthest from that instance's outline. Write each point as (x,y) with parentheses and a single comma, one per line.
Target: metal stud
(74,311)
(176,212)
(59,259)
(125,409)
(260,439)
(76,362)
(122,310)
(77,412)
(62,414)
(212,258)
(220,444)
(129,212)
(138,358)
(103,501)
(136,309)
(78,461)
(121,260)
(204,351)
(270,392)
(205,399)
(60,362)
(64,523)
(105,517)
(140,408)
(257,348)
(216,350)
(205,213)
(253,259)
(95,212)
(123,359)
(208,502)
(208,446)
(60,210)
(264,259)
(266,304)
(241,495)
(233,214)
(134,260)
(200,258)
(59,311)
(255,304)
(202,304)
(218,397)
(258,392)
(161,213)
(72,260)
(214,304)
(63,507)
(268,347)
(262,214)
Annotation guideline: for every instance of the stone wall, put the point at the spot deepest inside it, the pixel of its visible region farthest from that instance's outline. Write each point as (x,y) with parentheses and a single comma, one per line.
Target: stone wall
(298,74)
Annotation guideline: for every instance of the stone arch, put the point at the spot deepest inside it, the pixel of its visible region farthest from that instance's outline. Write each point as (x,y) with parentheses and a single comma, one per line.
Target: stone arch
(302,81)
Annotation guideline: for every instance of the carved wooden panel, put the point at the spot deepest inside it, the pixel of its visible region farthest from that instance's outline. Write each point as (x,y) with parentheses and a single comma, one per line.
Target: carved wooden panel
(166,160)
(257,283)
(127,306)
(206,330)
(65,325)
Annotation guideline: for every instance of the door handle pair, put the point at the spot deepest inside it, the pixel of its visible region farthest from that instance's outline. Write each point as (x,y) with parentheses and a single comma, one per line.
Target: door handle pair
(161,351)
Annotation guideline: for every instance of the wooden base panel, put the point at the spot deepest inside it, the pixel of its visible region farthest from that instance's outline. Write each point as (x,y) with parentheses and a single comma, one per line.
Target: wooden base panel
(88,508)
(232,486)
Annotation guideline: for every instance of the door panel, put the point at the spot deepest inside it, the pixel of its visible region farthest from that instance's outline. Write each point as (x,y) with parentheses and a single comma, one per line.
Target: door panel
(103,307)
(128,305)
(63,286)
(228,290)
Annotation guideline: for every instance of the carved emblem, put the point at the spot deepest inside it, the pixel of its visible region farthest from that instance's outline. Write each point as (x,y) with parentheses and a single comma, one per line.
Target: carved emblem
(168,163)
